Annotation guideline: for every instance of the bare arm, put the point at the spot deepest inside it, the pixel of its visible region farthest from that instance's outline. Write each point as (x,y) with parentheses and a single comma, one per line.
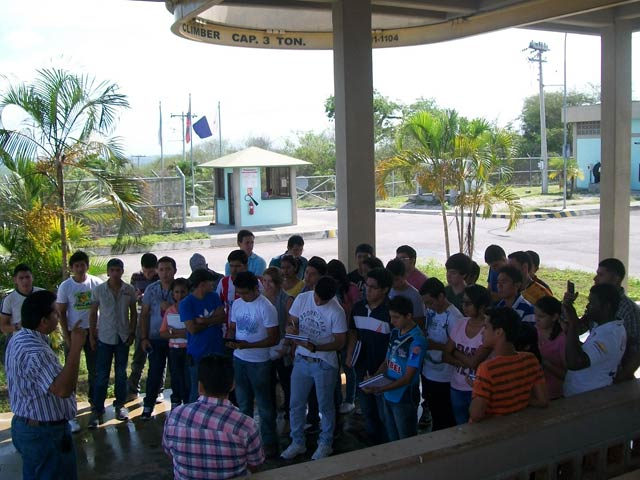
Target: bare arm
(628,370)
(145,312)
(576,358)
(478,409)
(539,395)
(273,337)
(65,383)
(64,323)
(198,324)
(5,324)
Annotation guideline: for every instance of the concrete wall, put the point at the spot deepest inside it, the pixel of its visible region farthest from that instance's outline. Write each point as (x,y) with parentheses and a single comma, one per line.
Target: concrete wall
(593,435)
(222,206)
(588,153)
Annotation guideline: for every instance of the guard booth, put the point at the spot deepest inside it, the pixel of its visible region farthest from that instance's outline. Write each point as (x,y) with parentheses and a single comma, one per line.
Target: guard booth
(255,187)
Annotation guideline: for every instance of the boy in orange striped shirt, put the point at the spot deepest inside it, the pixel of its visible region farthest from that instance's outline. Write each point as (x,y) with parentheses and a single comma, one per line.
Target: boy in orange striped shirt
(510,381)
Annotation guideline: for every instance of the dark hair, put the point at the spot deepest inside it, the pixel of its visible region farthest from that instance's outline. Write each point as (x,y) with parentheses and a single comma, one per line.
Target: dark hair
(276,275)
(238,256)
(493,253)
(382,276)
(180,282)
(201,275)
(337,270)
(527,340)
(21,267)
(290,259)
(326,288)
(319,264)
(551,306)
(432,287)
(507,319)
(35,307)
(535,258)
(115,262)
(246,280)
(149,260)
(522,258)
(614,266)
(513,273)
(215,373)
(607,294)
(401,305)
(78,256)
(459,262)
(170,260)
(364,248)
(373,262)
(396,268)
(408,251)
(474,272)
(242,234)
(479,296)
(295,240)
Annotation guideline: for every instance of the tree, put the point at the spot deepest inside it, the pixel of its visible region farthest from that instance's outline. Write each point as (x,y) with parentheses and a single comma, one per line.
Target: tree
(574,172)
(530,120)
(67,133)
(317,148)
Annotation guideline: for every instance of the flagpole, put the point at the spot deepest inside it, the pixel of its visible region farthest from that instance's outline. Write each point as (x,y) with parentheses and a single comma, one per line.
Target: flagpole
(160,138)
(193,175)
(219,132)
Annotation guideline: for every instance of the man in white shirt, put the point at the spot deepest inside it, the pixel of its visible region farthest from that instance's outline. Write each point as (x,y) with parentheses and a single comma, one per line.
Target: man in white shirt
(74,304)
(318,317)
(254,328)
(12,303)
(593,364)
(441,318)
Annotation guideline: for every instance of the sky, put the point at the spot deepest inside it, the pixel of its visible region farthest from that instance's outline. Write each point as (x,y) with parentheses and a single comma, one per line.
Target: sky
(269,93)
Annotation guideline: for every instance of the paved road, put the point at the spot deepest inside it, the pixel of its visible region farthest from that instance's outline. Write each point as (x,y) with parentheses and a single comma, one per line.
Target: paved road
(561,242)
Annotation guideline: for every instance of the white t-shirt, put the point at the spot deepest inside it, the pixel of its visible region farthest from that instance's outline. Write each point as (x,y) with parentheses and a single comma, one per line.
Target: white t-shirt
(468,346)
(12,305)
(319,323)
(77,297)
(252,320)
(604,346)
(438,329)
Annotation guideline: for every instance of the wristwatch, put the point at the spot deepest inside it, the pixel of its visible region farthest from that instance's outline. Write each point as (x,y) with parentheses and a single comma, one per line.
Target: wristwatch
(170,331)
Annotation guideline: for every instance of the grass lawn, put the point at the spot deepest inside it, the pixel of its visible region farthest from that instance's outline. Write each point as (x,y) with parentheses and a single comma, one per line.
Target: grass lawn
(148,240)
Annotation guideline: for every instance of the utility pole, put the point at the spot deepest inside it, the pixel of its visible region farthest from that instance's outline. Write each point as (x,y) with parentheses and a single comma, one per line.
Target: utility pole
(537,49)
(138,157)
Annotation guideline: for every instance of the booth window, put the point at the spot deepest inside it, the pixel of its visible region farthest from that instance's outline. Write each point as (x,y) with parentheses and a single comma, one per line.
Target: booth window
(276,182)
(219,179)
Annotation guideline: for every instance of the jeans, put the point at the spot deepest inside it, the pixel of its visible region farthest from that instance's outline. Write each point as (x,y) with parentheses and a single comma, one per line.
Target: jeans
(137,364)
(157,363)
(253,380)
(306,373)
(180,376)
(460,402)
(105,354)
(372,407)
(401,419)
(192,366)
(438,398)
(90,359)
(280,372)
(43,452)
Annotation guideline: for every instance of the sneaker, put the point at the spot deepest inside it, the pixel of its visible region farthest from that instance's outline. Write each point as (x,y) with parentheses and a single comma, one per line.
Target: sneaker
(322,451)
(293,451)
(346,408)
(95,419)
(160,398)
(75,426)
(425,422)
(122,414)
(146,413)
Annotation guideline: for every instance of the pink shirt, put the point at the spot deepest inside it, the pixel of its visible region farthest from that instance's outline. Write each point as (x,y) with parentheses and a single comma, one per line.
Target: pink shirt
(416,278)
(164,328)
(553,351)
(468,346)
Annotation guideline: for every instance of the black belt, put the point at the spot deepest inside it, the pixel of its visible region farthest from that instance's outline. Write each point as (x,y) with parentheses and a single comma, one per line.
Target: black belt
(38,423)
(309,359)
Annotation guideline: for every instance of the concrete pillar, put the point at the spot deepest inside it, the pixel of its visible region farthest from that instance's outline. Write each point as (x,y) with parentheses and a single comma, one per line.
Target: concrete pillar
(353,84)
(615,128)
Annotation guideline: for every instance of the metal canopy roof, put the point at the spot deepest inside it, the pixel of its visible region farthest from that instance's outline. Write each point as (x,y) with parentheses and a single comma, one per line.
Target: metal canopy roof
(253,157)
(307,24)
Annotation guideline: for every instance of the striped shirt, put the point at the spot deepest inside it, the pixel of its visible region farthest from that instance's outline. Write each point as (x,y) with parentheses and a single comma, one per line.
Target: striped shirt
(31,367)
(211,439)
(506,382)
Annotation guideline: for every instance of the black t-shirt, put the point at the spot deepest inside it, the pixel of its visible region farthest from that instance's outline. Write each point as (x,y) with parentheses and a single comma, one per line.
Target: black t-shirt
(373,327)
(358,280)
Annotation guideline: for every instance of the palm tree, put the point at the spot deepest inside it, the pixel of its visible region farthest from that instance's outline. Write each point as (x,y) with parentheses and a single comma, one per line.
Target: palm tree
(67,133)
(574,172)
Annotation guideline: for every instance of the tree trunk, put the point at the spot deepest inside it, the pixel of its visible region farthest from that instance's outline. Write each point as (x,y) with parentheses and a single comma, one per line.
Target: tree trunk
(62,216)
(444,219)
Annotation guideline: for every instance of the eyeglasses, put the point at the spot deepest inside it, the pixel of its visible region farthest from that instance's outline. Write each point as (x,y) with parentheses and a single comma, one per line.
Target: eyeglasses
(404,259)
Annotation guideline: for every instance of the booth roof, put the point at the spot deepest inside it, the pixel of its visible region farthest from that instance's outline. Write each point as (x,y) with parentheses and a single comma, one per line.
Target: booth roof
(253,157)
